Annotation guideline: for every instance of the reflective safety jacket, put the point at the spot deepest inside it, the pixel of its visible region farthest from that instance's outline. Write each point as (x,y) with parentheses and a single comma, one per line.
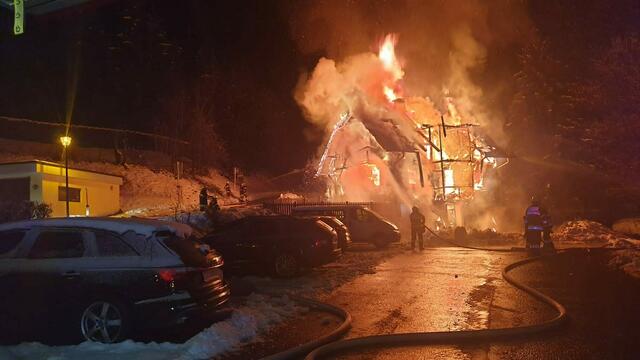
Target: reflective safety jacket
(536,218)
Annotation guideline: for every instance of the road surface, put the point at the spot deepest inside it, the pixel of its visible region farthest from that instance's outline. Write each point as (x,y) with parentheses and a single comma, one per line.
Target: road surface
(454,289)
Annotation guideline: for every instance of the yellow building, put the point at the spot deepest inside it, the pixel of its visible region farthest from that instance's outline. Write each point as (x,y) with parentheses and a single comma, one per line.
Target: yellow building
(91,193)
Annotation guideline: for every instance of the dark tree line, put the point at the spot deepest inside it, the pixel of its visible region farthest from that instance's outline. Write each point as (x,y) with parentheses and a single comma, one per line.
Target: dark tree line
(574,114)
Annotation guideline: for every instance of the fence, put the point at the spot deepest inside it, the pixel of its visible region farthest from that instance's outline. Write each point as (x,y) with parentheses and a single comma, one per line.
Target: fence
(285,207)
(94,137)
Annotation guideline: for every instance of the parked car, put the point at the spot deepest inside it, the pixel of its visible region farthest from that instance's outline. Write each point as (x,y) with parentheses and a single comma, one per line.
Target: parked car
(281,245)
(100,278)
(364,224)
(344,237)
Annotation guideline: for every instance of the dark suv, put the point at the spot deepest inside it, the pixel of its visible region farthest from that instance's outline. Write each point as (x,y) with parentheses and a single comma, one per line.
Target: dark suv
(282,245)
(98,279)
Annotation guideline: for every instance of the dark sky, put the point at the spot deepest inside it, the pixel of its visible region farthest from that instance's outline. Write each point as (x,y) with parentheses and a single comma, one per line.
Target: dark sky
(141,63)
(134,58)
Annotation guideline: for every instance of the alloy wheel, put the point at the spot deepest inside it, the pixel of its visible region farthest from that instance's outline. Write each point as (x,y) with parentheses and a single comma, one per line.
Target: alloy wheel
(102,321)
(286,265)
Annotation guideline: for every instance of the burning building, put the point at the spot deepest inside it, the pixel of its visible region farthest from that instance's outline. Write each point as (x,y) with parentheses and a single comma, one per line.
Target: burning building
(389,147)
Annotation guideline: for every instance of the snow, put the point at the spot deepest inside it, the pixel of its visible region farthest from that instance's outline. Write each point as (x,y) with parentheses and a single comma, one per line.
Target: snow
(628,226)
(593,234)
(118,225)
(200,221)
(246,323)
(590,233)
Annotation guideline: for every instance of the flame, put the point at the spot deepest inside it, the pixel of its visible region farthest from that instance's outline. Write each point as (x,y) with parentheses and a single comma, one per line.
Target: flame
(389,93)
(387,54)
(390,62)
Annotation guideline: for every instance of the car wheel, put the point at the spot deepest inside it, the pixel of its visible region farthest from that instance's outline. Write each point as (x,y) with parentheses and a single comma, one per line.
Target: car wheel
(286,265)
(104,321)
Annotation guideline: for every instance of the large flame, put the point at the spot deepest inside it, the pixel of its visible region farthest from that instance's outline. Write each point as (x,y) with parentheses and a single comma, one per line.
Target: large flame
(390,62)
(387,54)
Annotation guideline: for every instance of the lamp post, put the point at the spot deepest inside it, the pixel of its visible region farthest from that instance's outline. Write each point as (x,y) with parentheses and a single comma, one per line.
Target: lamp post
(66,141)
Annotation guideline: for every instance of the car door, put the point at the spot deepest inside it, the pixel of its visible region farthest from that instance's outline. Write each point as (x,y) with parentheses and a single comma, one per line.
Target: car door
(11,280)
(52,273)
(257,239)
(115,267)
(228,241)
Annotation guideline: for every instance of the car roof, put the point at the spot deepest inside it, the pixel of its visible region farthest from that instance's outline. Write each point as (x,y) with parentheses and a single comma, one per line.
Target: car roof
(118,225)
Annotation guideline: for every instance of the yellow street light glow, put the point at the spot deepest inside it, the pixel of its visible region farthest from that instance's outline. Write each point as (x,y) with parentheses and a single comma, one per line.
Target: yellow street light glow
(65,140)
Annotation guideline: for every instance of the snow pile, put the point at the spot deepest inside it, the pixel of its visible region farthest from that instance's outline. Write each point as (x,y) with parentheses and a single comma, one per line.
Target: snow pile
(246,323)
(627,260)
(628,226)
(586,232)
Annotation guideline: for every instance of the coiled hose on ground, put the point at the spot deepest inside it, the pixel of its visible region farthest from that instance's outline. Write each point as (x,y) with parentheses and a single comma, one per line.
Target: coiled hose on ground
(330,344)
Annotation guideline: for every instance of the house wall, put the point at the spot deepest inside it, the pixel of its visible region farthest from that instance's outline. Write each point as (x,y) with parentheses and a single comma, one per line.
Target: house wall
(100,191)
(103,198)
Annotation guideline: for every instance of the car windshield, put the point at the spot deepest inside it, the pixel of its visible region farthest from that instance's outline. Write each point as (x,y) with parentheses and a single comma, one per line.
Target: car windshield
(188,249)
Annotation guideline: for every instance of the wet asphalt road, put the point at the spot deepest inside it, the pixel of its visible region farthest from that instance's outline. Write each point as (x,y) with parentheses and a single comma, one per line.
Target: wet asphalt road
(454,289)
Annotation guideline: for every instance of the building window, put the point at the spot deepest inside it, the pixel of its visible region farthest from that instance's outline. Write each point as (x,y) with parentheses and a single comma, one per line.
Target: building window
(74,194)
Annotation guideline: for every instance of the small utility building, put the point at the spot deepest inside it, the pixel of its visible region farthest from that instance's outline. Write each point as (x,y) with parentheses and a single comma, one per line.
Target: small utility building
(90,193)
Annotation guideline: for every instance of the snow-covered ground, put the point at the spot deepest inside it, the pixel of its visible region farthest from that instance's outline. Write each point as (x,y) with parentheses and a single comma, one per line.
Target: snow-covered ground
(585,233)
(247,321)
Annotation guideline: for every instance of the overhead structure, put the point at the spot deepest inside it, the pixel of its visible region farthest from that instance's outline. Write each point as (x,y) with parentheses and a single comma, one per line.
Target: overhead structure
(41,7)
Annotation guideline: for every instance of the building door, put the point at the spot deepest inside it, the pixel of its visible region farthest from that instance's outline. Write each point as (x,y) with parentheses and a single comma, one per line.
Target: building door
(15,189)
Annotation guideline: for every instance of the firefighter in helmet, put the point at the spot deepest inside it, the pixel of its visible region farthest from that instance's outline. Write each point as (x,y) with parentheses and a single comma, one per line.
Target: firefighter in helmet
(537,225)
(204,199)
(417,228)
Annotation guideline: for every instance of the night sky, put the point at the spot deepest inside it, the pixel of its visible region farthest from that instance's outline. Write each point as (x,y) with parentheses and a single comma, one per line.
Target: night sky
(140,63)
(133,59)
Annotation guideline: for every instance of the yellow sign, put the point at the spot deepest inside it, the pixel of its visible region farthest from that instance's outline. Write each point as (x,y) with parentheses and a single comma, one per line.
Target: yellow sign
(18,17)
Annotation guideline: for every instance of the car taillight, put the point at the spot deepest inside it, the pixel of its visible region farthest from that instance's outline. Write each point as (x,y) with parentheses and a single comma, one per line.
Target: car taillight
(320,242)
(167,275)
(171,275)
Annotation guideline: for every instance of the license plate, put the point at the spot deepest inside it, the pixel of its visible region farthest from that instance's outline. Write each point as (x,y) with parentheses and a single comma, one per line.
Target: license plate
(210,275)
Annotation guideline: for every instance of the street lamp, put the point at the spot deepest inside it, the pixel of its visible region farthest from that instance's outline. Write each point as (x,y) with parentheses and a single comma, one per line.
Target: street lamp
(66,141)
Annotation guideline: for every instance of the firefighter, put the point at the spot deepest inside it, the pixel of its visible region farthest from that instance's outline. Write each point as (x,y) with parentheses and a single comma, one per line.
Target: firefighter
(417,227)
(243,192)
(535,220)
(547,243)
(204,199)
(227,189)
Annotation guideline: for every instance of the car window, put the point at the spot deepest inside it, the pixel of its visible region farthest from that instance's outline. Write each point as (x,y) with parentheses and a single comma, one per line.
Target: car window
(58,244)
(9,241)
(187,249)
(109,244)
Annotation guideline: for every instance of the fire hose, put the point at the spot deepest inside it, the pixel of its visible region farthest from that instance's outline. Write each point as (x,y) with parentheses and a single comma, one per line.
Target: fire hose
(330,344)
